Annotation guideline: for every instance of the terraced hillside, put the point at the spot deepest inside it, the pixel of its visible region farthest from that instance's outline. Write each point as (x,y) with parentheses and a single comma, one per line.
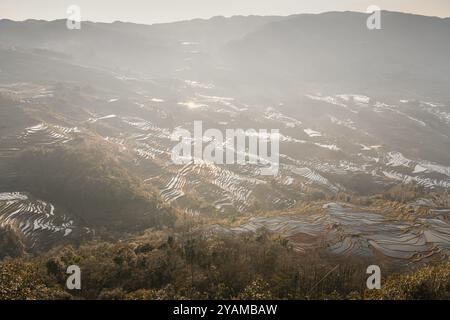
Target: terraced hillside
(37,222)
(328,159)
(86,142)
(349,230)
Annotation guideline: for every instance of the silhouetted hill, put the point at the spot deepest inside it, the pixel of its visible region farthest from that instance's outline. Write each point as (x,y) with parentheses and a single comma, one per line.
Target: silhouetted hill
(332,50)
(337,51)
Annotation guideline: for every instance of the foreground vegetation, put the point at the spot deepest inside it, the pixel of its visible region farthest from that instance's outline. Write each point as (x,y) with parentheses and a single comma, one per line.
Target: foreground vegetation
(158,265)
(171,260)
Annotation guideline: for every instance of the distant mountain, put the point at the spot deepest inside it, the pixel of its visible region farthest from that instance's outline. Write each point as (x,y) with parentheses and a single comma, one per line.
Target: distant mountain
(409,55)
(149,50)
(331,50)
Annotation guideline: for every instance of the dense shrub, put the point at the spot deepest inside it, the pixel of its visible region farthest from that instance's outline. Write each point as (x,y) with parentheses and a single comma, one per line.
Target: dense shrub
(429,282)
(198,267)
(10,243)
(23,281)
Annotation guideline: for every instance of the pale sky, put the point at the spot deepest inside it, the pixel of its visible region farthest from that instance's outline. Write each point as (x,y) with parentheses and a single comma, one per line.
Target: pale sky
(154,11)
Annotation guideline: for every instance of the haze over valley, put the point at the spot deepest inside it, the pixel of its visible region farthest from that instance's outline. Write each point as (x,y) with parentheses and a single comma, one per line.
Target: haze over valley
(87,116)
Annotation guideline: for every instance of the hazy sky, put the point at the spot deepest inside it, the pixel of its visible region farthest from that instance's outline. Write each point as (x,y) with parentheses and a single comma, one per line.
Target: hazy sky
(152,11)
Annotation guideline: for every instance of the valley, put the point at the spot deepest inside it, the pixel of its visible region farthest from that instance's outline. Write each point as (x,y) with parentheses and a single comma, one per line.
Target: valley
(87,133)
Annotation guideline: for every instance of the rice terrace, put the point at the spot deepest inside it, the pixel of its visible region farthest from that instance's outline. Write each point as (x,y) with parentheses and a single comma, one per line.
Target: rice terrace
(240,156)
